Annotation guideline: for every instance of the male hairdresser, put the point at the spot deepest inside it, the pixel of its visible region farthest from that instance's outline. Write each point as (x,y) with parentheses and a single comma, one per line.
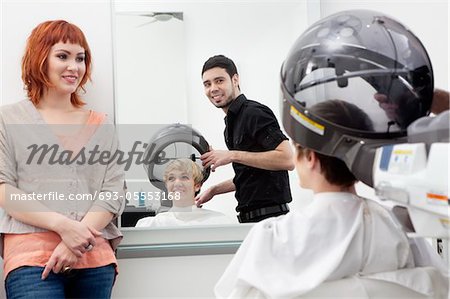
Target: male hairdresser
(259,152)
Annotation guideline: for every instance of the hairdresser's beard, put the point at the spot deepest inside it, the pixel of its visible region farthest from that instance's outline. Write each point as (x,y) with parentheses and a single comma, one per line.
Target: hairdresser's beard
(224,104)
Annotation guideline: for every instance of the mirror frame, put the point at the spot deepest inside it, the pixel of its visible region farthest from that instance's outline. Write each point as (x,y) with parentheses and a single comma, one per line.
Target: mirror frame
(181,241)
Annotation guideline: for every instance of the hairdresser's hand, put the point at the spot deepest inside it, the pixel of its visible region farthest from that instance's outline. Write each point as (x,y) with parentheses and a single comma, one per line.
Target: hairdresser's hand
(61,258)
(441,101)
(204,197)
(216,158)
(77,236)
(389,108)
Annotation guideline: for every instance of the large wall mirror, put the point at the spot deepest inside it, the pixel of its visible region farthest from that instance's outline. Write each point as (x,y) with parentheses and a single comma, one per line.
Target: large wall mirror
(159,50)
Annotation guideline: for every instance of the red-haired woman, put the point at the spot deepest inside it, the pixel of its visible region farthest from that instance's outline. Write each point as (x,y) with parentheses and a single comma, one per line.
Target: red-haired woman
(57,205)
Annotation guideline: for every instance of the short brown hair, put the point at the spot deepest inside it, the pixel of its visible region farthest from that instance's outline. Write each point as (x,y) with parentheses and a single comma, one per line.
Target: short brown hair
(333,169)
(345,114)
(34,61)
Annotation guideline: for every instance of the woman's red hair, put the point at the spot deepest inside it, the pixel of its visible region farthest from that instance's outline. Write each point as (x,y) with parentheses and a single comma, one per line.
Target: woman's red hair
(34,61)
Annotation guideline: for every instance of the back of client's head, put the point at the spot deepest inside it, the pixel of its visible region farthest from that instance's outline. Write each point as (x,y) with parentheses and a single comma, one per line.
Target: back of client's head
(347,115)
(186,165)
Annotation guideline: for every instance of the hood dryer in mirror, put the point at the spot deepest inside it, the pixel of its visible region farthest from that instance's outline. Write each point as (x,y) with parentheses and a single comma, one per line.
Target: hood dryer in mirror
(170,143)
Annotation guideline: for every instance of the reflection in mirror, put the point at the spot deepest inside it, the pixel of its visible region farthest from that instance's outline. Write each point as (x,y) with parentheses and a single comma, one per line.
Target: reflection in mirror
(183,179)
(360,91)
(259,49)
(173,142)
(165,156)
(164,170)
(150,59)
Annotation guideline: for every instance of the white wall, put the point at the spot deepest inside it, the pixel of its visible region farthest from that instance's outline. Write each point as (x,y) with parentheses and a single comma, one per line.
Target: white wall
(169,277)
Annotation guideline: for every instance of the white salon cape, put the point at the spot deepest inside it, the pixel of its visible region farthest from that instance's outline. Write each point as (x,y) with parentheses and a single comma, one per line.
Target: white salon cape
(185,216)
(338,235)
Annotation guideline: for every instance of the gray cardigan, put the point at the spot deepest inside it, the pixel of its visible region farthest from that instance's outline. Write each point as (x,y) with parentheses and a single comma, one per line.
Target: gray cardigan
(32,160)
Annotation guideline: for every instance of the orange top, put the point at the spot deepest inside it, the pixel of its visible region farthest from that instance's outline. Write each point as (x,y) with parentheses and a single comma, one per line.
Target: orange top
(35,249)
(75,142)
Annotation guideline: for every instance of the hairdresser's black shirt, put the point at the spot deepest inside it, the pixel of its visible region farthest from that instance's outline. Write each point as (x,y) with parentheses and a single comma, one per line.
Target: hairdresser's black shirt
(252,127)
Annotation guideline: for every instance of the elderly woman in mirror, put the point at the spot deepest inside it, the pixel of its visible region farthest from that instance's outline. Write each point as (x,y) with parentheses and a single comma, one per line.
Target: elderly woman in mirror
(183,179)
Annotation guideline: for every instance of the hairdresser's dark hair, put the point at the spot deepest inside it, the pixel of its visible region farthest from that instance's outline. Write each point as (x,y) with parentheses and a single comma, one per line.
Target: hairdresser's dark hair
(222,62)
